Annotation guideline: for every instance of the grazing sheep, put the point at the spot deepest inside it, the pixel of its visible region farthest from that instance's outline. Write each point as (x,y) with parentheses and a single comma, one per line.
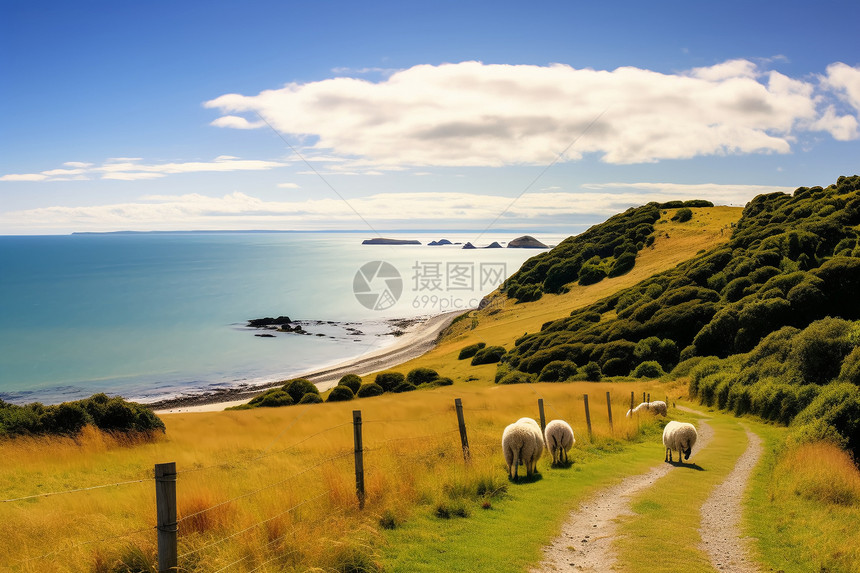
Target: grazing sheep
(518,445)
(679,436)
(537,437)
(655,407)
(559,440)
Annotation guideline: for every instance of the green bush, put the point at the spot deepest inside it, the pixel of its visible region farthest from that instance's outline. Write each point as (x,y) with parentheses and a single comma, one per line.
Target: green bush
(388,381)
(340,394)
(558,371)
(444,381)
(311,398)
(838,405)
(590,274)
(351,381)
(683,215)
(471,350)
(517,377)
(369,390)
(623,264)
(592,372)
(421,375)
(299,387)
(404,387)
(272,399)
(488,355)
(648,369)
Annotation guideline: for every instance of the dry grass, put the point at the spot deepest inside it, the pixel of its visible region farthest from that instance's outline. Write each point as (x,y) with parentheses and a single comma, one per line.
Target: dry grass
(820,472)
(257,469)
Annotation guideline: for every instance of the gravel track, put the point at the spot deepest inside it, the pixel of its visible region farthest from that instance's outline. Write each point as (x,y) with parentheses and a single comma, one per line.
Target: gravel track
(585,543)
(721,534)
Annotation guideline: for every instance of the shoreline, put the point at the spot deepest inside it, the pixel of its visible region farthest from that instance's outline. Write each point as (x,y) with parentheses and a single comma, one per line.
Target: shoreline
(417,339)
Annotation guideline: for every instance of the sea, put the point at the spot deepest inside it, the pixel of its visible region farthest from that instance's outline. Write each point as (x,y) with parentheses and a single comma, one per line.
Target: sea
(150,316)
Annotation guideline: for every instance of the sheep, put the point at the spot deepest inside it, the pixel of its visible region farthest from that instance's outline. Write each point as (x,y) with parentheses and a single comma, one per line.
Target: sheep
(537,437)
(655,407)
(679,436)
(559,440)
(518,445)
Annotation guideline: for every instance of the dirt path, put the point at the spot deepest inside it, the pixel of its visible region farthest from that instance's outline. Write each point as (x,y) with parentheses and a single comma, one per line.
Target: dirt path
(721,515)
(585,543)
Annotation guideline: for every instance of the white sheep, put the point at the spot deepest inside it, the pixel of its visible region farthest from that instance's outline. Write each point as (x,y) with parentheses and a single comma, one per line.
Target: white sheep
(537,437)
(655,407)
(679,436)
(518,445)
(559,440)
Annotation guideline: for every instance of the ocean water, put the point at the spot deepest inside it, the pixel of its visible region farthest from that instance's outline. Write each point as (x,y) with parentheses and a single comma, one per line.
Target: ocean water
(149,316)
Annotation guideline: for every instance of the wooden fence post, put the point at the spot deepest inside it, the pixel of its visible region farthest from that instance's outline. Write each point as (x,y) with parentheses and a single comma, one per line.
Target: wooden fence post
(165,506)
(643,396)
(542,417)
(631,399)
(464,440)
(649,398)
(587,415)
(359,457)
(609,409)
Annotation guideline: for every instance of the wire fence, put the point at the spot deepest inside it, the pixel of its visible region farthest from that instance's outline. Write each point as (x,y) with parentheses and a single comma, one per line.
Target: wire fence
(310,479)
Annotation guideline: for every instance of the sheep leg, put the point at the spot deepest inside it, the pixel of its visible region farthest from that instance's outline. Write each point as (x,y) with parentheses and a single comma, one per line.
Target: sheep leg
(668,455)
(515,466)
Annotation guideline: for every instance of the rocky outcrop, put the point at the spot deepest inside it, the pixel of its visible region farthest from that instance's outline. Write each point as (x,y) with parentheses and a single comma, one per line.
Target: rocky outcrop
(381,241)
(493,245)
(439,242)
(526,242)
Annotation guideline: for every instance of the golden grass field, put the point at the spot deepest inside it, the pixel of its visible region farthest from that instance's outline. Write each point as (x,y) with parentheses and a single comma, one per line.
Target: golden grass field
(266,464)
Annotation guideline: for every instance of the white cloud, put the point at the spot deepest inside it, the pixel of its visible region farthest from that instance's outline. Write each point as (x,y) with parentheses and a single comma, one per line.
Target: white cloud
(80,164)
(131,169)
(846,81)
(289,186)
(236,122)
(472,114)
(241,211)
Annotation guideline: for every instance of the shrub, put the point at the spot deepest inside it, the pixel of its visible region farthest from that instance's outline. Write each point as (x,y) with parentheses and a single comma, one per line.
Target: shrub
(340,394)
(421,375)
(299,387)
(623,264)
(444,381)
(471,350)
(369,390)
(389,380)
(311,398)
(272,399)
(818,351)
(648,369)
(67,419)
(838,405)
(591,274)
(592,372)
(351,381)
(517,377)
(558,371)
(488,355)
(683,215)
(404,387)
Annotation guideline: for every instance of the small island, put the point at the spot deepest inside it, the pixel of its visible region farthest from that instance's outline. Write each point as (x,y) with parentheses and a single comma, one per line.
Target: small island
(526,242)
(381,241)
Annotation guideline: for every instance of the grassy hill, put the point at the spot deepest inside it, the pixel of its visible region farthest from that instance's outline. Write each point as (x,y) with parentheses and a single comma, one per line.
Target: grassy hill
(774,307)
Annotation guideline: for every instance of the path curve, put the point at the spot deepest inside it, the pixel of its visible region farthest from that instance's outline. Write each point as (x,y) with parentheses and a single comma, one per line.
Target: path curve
(585,542)
(721,534)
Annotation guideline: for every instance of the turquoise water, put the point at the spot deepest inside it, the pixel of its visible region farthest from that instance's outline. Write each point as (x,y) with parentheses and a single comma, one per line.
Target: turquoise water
(149,316)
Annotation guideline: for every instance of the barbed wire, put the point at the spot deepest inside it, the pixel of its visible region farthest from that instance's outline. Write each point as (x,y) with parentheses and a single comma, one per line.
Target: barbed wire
(82,544)
(264,488)
(76,490)
(250,527)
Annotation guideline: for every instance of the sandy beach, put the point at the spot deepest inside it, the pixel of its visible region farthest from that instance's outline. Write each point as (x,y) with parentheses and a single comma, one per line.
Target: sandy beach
(416,339)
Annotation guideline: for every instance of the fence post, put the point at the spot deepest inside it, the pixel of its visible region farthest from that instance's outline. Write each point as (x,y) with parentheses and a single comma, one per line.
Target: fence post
(631,399)
(359,457)
(165,506)
(649,398)
(609,409)
(464,440)
(587,415)
(542,417)
(643,396)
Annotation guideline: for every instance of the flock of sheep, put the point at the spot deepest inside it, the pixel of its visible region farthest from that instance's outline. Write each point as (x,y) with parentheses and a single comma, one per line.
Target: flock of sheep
(523,442)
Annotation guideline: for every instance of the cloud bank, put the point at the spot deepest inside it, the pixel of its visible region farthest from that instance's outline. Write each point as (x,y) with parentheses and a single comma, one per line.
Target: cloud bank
(475,114)
(423,210)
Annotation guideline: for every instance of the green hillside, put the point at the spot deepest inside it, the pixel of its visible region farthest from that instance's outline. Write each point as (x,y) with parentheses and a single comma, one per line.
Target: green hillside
(773,308)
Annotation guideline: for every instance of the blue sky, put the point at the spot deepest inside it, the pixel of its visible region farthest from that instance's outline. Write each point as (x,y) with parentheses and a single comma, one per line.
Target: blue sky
(149,116)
